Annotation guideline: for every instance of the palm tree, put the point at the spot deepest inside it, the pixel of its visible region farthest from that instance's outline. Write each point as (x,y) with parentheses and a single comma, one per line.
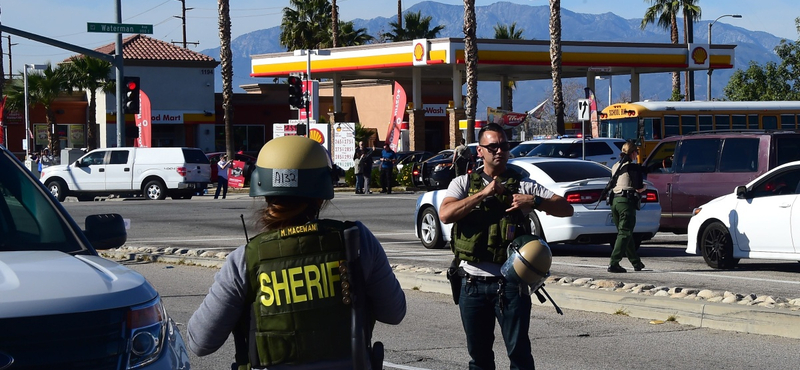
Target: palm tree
(306,24)
(43,88)
(334,24)
(400,13)
(348,36)
(691,13)
(555,62)
(664,14)
(417,27)
(471,61)
(226,61)
(504,32)
(90,74)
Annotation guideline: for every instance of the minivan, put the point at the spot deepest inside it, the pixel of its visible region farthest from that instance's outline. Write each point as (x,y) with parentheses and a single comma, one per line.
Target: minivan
(691,170)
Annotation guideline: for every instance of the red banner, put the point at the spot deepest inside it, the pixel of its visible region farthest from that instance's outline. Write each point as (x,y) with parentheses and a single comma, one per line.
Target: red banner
(143,122)
(399,99)
(593,112)
(236,175)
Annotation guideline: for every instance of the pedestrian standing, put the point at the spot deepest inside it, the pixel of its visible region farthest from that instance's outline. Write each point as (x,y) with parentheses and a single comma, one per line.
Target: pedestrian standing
(365,162)
(461,158)
(489,209)
(388,158)
(45,159)
(357,168)
(286,295)
(222,176)
(625,203)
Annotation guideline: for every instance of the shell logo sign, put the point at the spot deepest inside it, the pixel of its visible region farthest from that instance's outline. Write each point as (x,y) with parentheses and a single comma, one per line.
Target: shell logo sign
(698,56)
(316,135)
(420,52)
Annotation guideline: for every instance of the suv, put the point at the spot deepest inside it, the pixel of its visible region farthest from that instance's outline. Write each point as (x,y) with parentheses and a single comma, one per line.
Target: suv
(63,306)
(691,170)
(602,149)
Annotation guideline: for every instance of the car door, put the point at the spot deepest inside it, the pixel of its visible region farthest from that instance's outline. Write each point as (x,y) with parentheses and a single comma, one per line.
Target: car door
(659,172)
(88,173)
(763,223)
(600,152)
(118,170)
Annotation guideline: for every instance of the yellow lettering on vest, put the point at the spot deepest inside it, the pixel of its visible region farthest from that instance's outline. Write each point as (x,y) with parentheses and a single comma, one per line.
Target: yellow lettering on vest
(301,229)
(268,298)
(297,284)
(333,277)
(281,287)
(312,276)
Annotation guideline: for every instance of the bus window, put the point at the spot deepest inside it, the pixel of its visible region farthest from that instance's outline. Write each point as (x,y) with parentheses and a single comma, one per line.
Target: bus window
(722,122)
(706,123)
(739,122)
(652,129)
(688,124)
(671,126)
(769,122)
(752,121)
(787,122)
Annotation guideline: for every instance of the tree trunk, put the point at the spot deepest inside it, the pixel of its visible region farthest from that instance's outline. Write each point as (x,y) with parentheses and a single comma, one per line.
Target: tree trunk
(52,139)
(226,60)
(471,61)
(555,63)
(399,14)
(335,23)
(91,129)
(676,76)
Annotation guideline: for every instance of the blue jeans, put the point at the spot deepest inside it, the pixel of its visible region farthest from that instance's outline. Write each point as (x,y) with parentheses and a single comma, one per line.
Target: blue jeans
(359,183)
(480,306)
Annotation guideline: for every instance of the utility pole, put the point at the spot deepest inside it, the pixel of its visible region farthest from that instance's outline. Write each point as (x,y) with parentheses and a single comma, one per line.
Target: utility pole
(183,22)
(10,66)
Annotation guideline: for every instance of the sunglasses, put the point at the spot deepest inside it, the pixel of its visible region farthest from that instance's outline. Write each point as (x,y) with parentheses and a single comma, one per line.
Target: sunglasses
(494,147)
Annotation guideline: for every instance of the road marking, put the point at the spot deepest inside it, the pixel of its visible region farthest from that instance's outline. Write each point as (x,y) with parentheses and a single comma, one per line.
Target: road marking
(403,367)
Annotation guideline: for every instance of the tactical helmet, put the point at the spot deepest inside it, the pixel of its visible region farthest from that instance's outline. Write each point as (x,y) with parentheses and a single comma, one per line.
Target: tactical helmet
(292,166)
(528,262)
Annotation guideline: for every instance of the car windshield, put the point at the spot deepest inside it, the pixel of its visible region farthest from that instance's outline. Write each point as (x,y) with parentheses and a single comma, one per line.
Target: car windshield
(29,219)
(573,171)
(558,150)
(522,149)
(440,156)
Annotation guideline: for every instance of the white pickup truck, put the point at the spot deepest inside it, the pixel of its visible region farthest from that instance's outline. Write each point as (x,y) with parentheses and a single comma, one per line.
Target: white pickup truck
(155,173)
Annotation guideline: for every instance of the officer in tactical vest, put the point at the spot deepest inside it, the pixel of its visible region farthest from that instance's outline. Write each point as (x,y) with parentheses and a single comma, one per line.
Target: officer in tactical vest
(288,295)
(624,204)
(488,209)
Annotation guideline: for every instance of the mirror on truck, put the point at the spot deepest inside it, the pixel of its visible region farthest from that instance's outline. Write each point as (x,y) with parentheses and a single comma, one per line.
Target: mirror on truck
(106,231)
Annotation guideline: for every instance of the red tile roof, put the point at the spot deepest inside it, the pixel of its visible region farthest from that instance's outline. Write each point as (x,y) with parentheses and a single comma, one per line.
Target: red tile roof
(143,48)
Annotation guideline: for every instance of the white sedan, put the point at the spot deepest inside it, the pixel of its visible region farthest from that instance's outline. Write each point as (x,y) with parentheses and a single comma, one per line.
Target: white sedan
(579,182)
(758,220)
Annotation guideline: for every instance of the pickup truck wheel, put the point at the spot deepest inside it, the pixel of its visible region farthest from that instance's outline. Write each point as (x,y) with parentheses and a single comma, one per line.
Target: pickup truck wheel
(58,189)
(155,190)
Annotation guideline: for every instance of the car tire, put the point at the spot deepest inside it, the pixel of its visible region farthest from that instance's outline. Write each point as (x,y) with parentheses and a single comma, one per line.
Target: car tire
(536,226)
(430,231)
(717,246)
(155,190)
(58,188)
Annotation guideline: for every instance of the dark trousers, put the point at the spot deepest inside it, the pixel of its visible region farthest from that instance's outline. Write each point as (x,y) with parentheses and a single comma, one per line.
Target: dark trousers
(480,307)
(386,180)
(221,184)
(359,183)
(623,212)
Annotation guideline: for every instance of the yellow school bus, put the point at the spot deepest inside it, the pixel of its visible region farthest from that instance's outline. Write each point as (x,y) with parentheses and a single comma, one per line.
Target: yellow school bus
(648,122)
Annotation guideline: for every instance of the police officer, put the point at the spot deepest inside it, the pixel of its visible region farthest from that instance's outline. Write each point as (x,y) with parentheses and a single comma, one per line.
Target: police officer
(285,294)
(624,205)
(488,209)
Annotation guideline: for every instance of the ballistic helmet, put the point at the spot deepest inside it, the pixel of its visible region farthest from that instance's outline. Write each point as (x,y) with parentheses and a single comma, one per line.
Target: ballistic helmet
(528,262)
(292,166)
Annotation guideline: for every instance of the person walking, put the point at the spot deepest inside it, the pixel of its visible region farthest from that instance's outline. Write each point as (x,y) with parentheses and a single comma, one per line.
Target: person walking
(625,203)
(388,157)
(488,210)
(285,295)
(461,158)
(222,176)
(365,162)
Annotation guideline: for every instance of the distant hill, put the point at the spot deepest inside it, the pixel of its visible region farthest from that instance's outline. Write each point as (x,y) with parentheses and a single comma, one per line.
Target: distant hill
(751,46)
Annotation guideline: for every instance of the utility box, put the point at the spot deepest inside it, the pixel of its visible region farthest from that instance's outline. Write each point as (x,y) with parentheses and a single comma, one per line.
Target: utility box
(69,155)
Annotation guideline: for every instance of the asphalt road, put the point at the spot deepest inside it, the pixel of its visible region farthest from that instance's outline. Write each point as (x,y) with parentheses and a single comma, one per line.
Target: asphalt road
(216,225)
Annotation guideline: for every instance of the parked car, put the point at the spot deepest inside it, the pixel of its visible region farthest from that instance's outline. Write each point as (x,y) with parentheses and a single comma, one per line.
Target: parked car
(63,306)
(580,182)
(693,169)
(757,220)
(602,150)
(155,173)
(435,172)
(523,148)
(409,157)
(249,164)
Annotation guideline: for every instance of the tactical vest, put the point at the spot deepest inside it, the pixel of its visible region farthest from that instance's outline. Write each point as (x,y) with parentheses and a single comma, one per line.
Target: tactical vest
(484,233)
(299,313)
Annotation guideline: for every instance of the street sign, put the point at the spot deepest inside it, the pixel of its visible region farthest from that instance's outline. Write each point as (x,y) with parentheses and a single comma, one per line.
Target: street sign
(584,109)
(119,28)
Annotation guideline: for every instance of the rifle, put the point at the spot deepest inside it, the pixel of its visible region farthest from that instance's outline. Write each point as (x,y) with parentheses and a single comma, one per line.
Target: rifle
(365,355)
(611,184)
(246,238)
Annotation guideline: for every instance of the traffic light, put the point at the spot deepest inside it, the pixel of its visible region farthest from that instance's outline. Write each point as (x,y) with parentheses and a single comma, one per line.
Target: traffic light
(296,92)
(131,89)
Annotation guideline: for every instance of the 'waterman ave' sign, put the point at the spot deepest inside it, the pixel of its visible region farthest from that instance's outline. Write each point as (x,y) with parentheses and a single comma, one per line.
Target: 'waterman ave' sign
(120,28)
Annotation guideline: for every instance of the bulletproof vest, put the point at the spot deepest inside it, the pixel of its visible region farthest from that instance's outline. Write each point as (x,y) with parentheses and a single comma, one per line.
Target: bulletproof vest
(299,313)
(624,179)
(485,232)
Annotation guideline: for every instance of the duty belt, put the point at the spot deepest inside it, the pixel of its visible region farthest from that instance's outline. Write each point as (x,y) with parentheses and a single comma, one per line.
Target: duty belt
(470,278)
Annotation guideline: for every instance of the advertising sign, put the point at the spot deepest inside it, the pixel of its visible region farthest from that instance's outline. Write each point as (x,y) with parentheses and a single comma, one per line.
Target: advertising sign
(143,122)
(398,111)
(344,144)
(236,175)
(504,118)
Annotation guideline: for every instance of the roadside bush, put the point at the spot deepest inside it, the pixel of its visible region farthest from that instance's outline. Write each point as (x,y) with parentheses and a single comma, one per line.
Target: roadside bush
(404,175)
(350,176)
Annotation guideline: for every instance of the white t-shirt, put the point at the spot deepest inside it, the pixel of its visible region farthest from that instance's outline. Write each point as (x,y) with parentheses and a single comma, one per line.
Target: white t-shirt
(223,169)
(459,189)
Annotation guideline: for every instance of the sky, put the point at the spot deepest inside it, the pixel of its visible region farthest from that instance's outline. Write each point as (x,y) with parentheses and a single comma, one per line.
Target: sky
(66,20)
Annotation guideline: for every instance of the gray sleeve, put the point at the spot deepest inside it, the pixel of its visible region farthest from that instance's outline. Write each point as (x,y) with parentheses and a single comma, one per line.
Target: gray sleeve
(457,188)
(215,319)
(528,186)
(385,297)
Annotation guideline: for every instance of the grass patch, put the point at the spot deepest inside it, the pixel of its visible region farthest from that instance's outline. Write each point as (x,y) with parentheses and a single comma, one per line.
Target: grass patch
(621,312)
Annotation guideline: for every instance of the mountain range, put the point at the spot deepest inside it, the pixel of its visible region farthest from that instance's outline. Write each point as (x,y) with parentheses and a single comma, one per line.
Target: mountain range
(755,46)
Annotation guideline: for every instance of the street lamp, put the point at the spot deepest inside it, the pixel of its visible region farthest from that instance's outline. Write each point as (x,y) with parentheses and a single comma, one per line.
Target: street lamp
(308,53)
(25,86)
(709,48)
(601,78)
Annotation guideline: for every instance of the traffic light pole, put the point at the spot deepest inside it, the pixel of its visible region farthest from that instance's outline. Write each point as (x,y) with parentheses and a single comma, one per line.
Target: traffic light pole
(120,73)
